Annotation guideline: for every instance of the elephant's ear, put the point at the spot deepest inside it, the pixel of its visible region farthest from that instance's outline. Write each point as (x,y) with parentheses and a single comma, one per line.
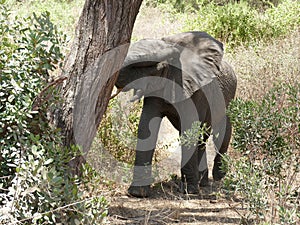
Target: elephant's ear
(200,59)
(149,52)
(147,57)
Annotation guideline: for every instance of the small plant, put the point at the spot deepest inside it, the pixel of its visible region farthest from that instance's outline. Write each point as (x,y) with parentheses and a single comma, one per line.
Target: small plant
(267,142)
(196,135)
(118,129)
(63,13)
(29,51)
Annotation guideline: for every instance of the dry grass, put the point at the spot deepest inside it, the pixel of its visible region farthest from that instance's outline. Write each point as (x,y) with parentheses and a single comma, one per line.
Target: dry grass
(152,23)
(258,68)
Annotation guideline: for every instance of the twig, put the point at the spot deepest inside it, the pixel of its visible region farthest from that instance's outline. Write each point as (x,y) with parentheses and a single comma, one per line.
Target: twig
(61,208)
(3,189)
(4,177)
(234,209)
(39,99)
(121,217)
(147,217)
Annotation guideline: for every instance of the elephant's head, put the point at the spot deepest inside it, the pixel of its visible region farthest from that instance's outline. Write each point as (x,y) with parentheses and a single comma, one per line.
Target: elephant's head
(147,57)
(190,59)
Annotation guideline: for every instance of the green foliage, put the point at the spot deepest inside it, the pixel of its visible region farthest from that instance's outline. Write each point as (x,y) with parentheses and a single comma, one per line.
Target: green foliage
(178,5)
(239,23)
(196,135)
(267,142)
(36,187)
(63,13)
(194,5)
(29,50)
(118,129)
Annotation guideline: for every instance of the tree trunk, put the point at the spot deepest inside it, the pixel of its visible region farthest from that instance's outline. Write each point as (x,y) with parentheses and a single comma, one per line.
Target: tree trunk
(101,42)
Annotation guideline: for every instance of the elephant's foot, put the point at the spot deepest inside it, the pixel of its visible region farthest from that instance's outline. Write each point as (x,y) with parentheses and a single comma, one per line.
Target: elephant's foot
(217,172)
(204,178)
(139,191)
(189,188)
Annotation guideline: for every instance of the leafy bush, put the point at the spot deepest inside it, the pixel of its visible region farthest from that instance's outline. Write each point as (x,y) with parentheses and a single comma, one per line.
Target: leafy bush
(194,5)
(241,24)
(266,142)
(177,5)
(29,50)
(196,135)
(36,187)
(118,129)
(63,13)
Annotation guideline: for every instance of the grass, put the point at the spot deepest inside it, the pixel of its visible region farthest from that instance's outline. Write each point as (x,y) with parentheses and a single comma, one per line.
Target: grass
(63,13)
(261,66)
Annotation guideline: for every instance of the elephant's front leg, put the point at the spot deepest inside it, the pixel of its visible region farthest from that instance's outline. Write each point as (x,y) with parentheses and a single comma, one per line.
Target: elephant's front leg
(147,136)
(194,162)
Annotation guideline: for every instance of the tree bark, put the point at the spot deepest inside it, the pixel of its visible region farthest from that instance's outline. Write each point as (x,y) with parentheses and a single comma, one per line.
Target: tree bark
(101,43)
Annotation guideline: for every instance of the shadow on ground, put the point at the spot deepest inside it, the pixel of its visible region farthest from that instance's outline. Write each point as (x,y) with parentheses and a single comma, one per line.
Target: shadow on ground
(167,205)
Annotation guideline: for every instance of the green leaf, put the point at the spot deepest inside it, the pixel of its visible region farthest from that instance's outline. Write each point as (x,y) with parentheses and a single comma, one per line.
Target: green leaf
(49,161)
(34,149)
(57,180)
(10,98)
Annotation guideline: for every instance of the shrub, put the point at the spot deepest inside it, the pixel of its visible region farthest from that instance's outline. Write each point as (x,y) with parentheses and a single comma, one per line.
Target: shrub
(29,50)
(195,5)
(259,67)
(196,135)
(241,24)
(266,141)
(63,13)
(35,185)
(118,129)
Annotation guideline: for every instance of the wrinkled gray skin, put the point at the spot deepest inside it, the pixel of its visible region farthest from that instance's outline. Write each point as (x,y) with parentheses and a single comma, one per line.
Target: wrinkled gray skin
(187,81)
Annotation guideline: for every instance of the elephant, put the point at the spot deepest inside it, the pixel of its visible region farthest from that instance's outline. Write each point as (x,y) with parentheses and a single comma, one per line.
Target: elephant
(182,77)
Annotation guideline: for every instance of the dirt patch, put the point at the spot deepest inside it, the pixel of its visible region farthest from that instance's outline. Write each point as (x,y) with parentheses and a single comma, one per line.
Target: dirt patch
(168,206)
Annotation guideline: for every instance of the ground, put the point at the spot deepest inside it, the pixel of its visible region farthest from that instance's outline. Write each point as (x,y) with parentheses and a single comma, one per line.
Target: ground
(168,206)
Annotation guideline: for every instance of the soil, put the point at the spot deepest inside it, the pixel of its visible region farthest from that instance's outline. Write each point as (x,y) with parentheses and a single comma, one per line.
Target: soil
(168,206)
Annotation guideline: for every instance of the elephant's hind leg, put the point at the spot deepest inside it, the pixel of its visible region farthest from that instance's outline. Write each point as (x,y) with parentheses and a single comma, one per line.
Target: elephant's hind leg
(217,172)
